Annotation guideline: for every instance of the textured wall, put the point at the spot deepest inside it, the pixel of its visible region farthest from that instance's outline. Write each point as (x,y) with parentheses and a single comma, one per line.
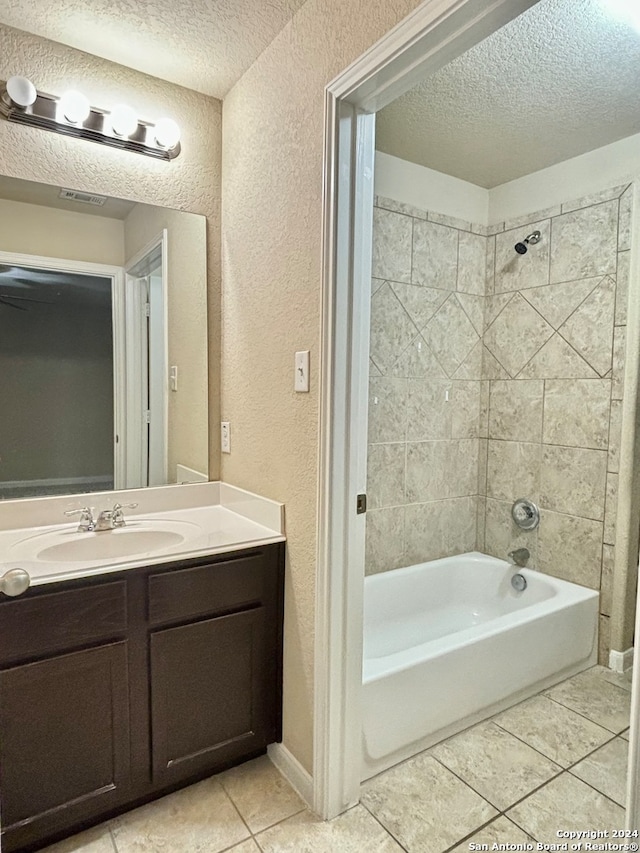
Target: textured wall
(32,229)
(191,182)
(187,336)
(272,161)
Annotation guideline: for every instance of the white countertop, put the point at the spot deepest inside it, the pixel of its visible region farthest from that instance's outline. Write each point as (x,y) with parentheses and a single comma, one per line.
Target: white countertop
(217,518)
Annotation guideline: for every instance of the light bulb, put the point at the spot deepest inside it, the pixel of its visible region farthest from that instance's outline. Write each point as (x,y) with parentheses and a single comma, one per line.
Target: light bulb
(21,91)
(167,133)
(124,120)
(75,107)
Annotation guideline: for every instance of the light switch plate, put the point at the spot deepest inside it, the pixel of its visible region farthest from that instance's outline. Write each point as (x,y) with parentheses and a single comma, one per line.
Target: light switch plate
(225,436)
(301,381)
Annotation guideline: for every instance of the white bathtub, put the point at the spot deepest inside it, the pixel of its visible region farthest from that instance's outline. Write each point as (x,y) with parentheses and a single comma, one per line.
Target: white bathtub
(450,642)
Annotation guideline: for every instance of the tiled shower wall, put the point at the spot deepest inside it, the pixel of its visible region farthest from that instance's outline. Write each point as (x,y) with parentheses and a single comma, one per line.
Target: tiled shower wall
(496,376)
(427,309)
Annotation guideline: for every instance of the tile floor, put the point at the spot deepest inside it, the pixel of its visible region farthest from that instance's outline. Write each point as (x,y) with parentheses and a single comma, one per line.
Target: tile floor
(556,761)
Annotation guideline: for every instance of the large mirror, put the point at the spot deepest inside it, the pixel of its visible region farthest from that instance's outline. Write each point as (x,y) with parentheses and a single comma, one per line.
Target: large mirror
(103,343)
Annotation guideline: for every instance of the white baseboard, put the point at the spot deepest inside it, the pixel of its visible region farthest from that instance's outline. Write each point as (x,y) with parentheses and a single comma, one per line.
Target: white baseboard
(295,774)
(621,661)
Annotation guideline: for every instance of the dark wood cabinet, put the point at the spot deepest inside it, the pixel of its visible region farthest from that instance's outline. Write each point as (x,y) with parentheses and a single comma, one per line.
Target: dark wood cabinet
(117,689)
(205,707)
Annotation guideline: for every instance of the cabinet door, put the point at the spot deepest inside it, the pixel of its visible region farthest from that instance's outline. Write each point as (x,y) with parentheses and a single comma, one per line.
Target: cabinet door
(207,694)
(65,741)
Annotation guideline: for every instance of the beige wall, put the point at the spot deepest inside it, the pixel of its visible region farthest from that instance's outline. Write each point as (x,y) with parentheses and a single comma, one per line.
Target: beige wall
(191,182)
(272,162)
(32,229)
(187,320)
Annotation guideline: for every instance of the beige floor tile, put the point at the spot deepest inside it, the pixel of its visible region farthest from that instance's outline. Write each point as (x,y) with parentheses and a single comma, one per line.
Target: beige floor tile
(620,679)
(496,764)
(606,770)
(248,846)
(198,819)
(499,831)
(352,832)
(261,795)
(565,802)
(625,734)
(555,731)
(424,806)
(591,695)
(96,840)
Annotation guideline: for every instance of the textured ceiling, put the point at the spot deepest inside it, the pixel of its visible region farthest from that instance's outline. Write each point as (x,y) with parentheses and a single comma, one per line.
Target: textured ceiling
(204,45)
(560,80)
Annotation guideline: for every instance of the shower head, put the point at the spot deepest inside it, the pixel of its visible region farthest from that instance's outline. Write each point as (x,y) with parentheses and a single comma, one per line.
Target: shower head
(533,238)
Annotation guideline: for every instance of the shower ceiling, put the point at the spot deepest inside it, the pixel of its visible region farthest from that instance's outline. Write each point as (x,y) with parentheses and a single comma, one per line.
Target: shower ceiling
(560,80)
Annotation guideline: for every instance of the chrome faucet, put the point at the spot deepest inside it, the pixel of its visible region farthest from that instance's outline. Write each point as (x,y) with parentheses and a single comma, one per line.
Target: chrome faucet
(110,519)
(87,521)
(520,557)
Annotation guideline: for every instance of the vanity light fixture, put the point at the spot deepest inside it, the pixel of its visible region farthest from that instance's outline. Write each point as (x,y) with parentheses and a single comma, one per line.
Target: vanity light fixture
(75,107)
(21,91)
(124,121)
(72,115)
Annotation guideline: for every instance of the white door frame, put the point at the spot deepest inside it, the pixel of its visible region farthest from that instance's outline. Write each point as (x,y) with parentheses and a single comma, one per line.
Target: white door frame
(434,34)
(116,274)
(160,241)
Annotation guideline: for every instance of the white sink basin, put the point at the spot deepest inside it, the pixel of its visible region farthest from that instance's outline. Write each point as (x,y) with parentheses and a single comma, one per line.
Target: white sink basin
(67,545)
(114,543)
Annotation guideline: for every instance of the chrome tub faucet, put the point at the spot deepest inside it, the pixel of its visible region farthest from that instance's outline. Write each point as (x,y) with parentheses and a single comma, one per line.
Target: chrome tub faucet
(520,557)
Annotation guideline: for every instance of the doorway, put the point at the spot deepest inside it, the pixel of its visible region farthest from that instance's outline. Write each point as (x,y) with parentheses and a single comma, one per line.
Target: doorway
(146,372)
(59,340)
(424,43)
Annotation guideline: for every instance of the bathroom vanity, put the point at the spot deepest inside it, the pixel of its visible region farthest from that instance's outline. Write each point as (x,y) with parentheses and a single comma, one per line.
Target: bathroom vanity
(120,684)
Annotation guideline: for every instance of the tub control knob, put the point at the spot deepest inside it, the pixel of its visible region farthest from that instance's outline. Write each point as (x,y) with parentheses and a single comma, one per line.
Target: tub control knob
(525,514)
(14,582)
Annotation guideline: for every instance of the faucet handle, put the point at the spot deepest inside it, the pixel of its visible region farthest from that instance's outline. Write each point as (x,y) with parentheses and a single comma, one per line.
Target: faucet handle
(84,511)
(117,514)
(87,521)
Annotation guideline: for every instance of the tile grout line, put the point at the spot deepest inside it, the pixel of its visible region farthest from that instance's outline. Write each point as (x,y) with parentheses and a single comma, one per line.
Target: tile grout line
(113,840)
(471,834)
(558,702)
(232,801)
(555,761)
(384,828)
(255,835)
(458,776)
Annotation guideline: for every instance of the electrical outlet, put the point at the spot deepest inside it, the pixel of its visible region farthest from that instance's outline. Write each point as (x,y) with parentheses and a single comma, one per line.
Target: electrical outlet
(225,437)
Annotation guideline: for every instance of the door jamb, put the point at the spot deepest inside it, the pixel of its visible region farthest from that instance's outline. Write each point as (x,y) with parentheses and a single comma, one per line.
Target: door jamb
(435,33)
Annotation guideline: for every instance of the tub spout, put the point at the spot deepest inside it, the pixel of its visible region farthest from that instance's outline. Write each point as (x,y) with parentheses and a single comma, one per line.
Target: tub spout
(519,557)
